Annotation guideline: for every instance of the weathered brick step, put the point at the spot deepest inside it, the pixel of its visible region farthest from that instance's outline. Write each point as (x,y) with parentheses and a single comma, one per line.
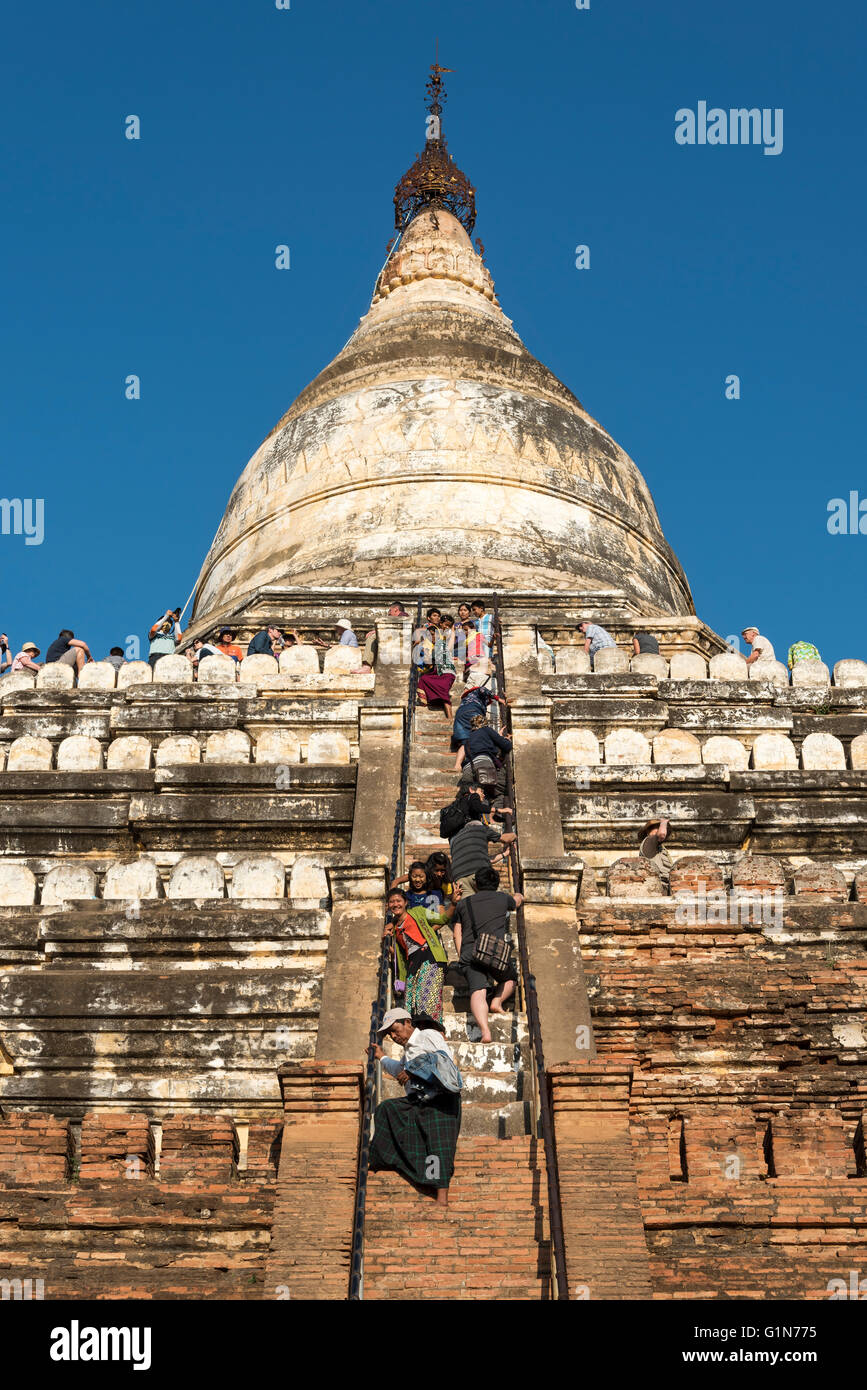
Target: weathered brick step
(509,1027)
(489,1243)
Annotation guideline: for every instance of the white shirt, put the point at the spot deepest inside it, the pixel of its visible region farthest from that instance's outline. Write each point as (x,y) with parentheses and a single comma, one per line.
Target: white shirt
(420,1040)
(762,645)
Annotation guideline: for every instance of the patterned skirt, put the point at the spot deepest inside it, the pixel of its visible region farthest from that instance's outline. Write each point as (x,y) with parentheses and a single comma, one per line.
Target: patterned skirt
(424,990)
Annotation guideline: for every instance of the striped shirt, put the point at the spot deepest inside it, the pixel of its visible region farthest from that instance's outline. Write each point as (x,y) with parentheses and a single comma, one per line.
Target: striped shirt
(468,850)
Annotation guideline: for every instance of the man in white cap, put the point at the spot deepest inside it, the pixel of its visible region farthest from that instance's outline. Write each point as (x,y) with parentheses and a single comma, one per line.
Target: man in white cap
(760,648)
(417,1140)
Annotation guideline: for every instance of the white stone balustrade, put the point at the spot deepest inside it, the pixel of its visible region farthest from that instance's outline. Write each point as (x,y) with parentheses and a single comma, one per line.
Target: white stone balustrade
(687,666)
(308,881)
(174,670)
(572,661)
(278,746)
(850,673)
(578,748)
(728,666)
(133,881)
(822,752)
(17,884)
(134,673)
(811,673)
(328,747)
(343,660)
(217,670)
(773,753)
(609,659)
(728,751)
(299,660)
(258,876)
(650,664)
(196,876)
(79,753)
(178,749)
(30,754)
(55,676)
(98,675)
(131,753)
(676,746)
(68,883)
(773,671)
(228,746)
(626,746)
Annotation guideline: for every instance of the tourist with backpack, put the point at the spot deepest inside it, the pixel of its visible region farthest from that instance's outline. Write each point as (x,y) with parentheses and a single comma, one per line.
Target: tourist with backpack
(480,928)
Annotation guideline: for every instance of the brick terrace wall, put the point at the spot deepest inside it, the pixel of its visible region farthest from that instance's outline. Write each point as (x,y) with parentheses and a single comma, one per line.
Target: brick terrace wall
(199,1230)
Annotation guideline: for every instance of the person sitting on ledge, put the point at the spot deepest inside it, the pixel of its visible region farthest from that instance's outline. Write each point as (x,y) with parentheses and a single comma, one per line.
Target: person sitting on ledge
(802,651)
(652,847)
(25,660)
(116,658)
(761,649)
(595,639)
(227,646)
(68,650)
(262,644)
(165,635)
(345,636)
(644,642)
(5,658)
(417,1136)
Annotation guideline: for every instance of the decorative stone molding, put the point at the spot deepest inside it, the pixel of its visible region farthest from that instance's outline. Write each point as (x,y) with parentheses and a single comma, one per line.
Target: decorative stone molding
(552,881)
(358,879)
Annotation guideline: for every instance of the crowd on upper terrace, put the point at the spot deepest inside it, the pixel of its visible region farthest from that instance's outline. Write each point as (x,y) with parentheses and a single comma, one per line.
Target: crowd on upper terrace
(444,646)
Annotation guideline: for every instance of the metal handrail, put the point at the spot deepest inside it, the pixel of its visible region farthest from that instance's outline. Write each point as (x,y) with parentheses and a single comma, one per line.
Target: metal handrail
(531,1002)
(356,1270)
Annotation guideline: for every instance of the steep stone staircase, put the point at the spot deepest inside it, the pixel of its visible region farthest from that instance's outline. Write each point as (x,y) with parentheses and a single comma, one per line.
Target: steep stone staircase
(491,1241)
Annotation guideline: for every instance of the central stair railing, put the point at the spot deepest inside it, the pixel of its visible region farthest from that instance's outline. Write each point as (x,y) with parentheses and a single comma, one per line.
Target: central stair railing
(531,1004)
(356,1275)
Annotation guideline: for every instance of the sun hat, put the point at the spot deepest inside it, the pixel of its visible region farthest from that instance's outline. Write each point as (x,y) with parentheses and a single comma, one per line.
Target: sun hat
(344,623)
(30,647)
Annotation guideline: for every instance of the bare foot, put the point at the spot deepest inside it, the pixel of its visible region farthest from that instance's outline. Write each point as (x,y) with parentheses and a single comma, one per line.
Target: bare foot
(442,1198)
(486,1037)
(492,1010)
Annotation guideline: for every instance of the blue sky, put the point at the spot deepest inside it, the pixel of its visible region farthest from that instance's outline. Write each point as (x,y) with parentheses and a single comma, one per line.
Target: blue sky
(262,126)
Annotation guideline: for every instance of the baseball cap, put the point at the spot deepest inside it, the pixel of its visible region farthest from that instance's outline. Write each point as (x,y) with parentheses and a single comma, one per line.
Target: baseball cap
(393,1016)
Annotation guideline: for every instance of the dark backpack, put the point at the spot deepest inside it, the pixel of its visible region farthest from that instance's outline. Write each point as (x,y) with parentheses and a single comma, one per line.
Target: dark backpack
(453,818)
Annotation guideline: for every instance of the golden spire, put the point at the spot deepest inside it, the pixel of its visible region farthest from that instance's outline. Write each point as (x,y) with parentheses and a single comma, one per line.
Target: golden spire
(434,180)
